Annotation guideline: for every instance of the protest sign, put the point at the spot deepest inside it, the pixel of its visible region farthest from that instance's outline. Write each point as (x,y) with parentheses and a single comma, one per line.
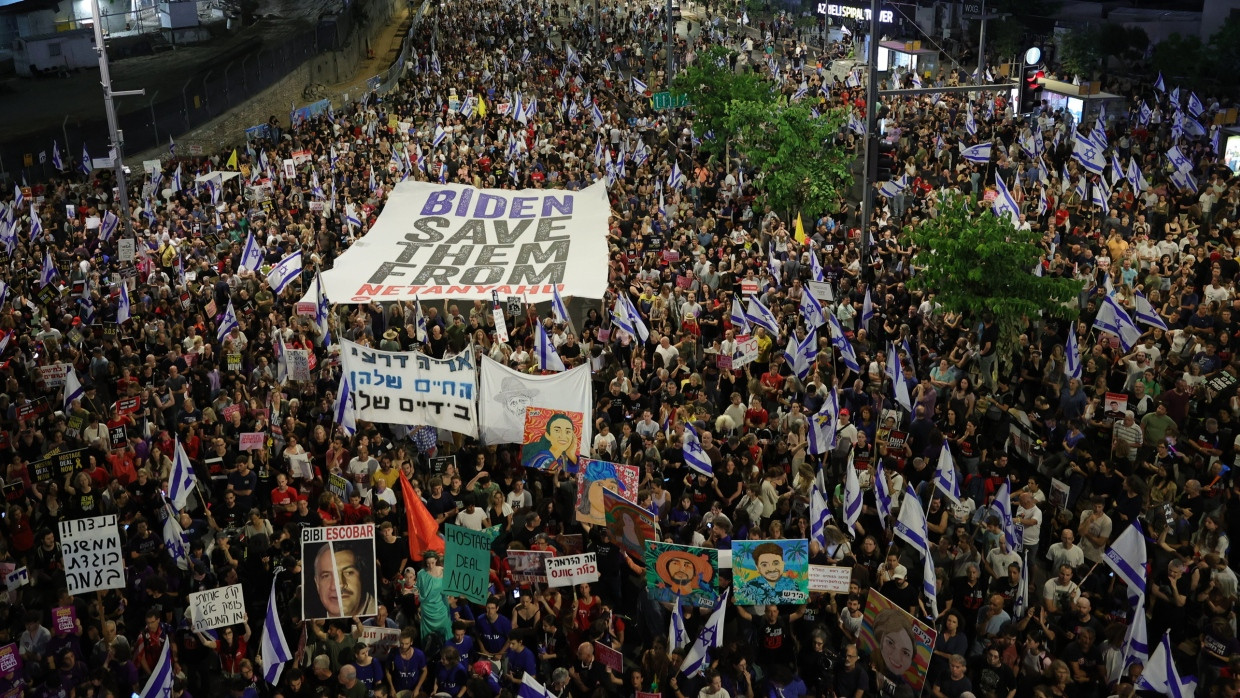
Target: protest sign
(451,241)
(405,387)
(896,440)
(528,566)
(125,250)
(822,291)
(746,351)
(681,571)
(234,361)
(128,405)
(307,308)
(298,364)
(467,563)
(379,640)
(91,551)
(830,578)
(593,477)
(337,485)
(770,571)
(217,608)
(749,287)
(888,633)
(571,570)
(53,376)
(337,568)
(609,657)
(18,578)
(10,659)
(630,525)
(504,395)
(552,440)
(252,441)
(64,619)
(439,464)
(57,466)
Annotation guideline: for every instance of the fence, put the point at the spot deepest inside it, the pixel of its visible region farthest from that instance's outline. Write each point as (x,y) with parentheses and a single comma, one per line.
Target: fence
(228,82)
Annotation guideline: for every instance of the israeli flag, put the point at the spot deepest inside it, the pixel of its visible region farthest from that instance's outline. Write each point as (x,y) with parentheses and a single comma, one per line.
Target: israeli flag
(867,310)
(1072,362)
(852,494)
(176,542)
(946,479)
(1101,195)
(1021,602)
(1147,314)
(1178,161)
(123,307)
(420,325)
(1136,647)
(1003,507)
(970,126)
(740,323)
(812,310)
(440,135)
(548,358)
(847,354)
(1089,154)
(176,180)
(823,425)
(1005,205)
(181,479)
(227,323)
(36,224)
(159,685)
(979,153)
(597,115)
(1134,176)
(284,273)
(108,226)
(1128,557)
(275,649)
(911,523)
(638,86)
(819,515)
(882,496)
(558,308)
(530,688)
(351,217)
(57,161)
(344,409)
(321,310)
(696,659)
(251,254)
(695,457)
(49,272)
(760,315)
(85,166)
(18,199)
(1161,676)
(815,267)
(1184,180)
(1194,105)
(73,388)
(626,318)
(1158,84)
(676,179)
(677,636)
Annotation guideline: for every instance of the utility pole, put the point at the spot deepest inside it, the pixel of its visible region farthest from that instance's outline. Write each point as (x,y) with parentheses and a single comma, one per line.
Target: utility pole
(671,42)
(981,46)
(118,138)
(871,134)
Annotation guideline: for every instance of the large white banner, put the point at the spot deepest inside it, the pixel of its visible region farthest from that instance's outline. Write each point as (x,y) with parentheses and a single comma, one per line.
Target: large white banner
(409,387)
(456,242)
(91,550)
(503,395)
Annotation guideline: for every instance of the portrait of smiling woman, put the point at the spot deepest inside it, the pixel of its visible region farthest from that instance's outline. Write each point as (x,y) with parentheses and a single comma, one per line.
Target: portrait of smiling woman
(555,449)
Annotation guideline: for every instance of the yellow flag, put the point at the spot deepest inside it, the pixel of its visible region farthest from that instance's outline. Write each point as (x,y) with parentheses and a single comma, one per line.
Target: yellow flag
(481,110)
(799,233)
(232,160)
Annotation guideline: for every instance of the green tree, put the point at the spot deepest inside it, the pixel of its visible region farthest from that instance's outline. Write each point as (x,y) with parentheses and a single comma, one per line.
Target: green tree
(712,87)
(1080,51)
(802,169)
(1184,61)
(975,262)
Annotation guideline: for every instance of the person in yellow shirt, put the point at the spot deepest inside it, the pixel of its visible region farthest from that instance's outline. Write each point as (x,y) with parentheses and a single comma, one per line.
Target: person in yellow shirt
(388,474)
(765,343)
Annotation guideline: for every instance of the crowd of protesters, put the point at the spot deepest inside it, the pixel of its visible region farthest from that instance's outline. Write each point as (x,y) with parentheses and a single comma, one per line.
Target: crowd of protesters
(1164,458)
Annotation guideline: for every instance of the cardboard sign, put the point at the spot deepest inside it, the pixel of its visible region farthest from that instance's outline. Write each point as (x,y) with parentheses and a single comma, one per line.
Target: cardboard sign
(337,485)
(228,412)
(529,566)
(298,364)
(830,578)
(128,405)
(685,282)
(57,466)
(671,255)
(34,409)
(91,550)
(18,578)
(746,351)
(723,362)
(252,441)
(1060,491)
(515,306)
(234,361)
(290,169)
(53,376)
(467,563)
(379,640)
(749,287)
(822,291)
(125,250)
(64,619)
(572,570)
(217,608)
(306,308)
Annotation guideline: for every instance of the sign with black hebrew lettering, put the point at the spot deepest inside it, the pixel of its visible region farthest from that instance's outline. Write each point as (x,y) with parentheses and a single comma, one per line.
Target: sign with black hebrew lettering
(91,550)
(451,241)
(217,608)
(406,387)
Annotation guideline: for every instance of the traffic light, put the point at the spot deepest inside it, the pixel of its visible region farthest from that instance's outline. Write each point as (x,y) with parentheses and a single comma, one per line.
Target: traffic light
(1029,88)
(885,164)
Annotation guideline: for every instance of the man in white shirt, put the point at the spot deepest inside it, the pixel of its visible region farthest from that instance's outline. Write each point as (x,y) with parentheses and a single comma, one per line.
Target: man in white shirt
(1066,551)
(1060,593)
(361,468)
(1029,516)
(1095,530)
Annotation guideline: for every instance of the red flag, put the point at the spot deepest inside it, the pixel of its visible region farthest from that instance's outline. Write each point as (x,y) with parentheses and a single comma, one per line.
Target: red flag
(423,531)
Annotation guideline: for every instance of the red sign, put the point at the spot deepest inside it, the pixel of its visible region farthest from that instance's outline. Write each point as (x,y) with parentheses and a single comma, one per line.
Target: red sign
(128,405)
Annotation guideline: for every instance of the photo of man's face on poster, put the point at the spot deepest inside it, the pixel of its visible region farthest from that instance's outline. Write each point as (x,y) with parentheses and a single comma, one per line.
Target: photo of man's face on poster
(339,579)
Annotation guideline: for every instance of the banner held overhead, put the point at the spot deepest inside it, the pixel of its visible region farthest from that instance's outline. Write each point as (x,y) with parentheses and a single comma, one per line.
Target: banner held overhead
(451,241)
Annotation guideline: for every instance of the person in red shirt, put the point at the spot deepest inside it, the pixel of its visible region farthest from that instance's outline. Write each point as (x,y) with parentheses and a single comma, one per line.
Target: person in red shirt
(99,476)
(355,512)
(755,416)
(150,643)
(283,500)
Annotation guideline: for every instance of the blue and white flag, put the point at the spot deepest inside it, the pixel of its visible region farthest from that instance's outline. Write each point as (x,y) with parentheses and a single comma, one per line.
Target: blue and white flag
(1160,674)
(123,306)
(823,425)
(697,659)
(695,456)
(351,217)
(946,479)
(227,323)
(1146,313)
(36,224)
(847,354)
(815,267)
(970,125)
(1072,360)
(867,310)
(979,153)
(1089,154)
(73,388)
(420,325)
(1195,107)
(322,311)
(676,179)
(530,688)
(1128,557)
(57,161)
(176,180)
(159,684)
(1114,319)
(85,166)
(1020,604)
(275,648)
(1004,205)
(1002,505)
(1134,176)
(911,523)
(1178,161)
(597,115)
(251,254)
(819,515)
(558,308)
(440,135)
(1100,194)
(899,384)
(1184,181)
(1117,171)
(283,274)
(638,86)
(548,358)
(1158,84)
(626,318)
(882,496)
(49,273)
(812,310)
(181,479)
(109,225)
(852,494)
(176,542)
(19,199)
(796,360)
(760,315)
(1174,97)
(343,409)
(677,636)
(1136,647)
(740,323)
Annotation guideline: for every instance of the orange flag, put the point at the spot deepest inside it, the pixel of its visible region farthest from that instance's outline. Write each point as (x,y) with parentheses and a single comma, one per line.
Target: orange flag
(423,531)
